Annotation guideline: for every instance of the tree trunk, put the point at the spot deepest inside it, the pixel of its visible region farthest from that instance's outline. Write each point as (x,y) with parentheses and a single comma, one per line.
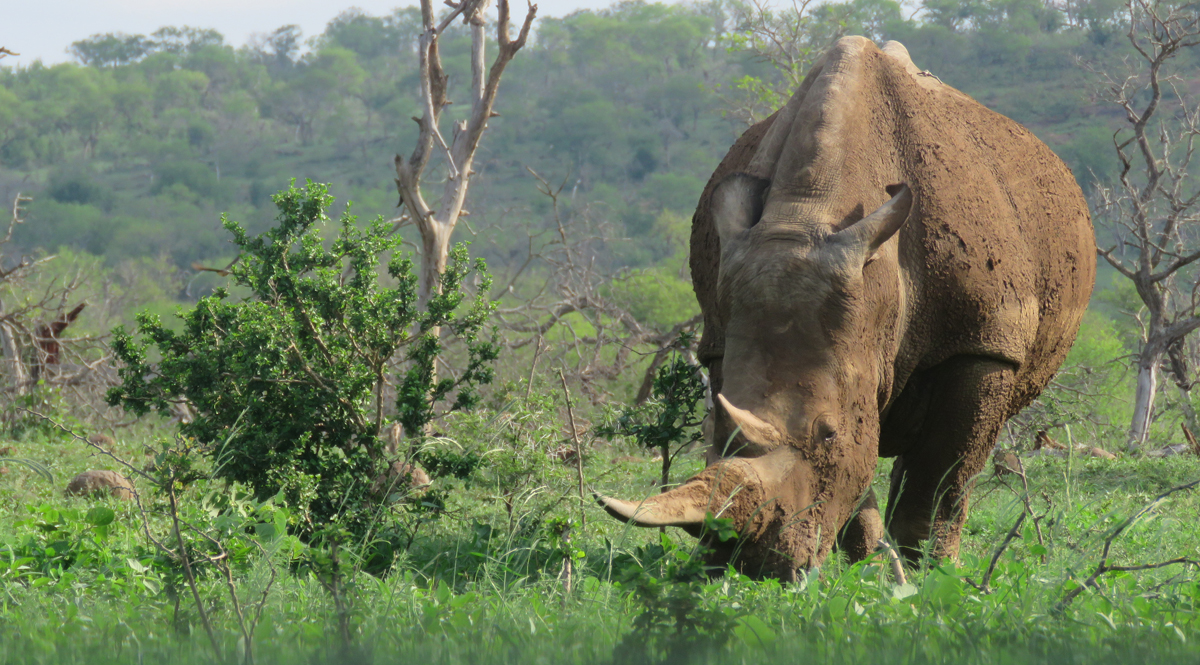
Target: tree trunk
(12,358)
(1143,403)
(14,368)
(435,250)
(1189,413)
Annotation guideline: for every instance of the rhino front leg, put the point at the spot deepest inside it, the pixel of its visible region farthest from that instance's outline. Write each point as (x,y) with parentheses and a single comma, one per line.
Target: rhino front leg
(931,480)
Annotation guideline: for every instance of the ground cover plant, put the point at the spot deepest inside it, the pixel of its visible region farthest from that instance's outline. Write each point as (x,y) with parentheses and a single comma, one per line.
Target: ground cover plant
(82,584)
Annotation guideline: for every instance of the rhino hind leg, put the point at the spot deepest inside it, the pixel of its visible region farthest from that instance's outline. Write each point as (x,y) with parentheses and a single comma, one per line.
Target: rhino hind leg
(931,480)
(860,535)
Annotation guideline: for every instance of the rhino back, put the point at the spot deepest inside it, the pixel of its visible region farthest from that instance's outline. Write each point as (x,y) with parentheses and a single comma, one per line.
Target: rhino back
(998,257)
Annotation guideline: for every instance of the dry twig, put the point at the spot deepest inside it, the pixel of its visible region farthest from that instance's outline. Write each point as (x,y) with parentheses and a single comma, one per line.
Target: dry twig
(897,565)
(984,584)
(578,449)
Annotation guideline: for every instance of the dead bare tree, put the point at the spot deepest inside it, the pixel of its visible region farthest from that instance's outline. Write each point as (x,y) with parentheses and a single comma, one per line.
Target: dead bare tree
(436,222)
(571,279)
(1154,203)
(13,366)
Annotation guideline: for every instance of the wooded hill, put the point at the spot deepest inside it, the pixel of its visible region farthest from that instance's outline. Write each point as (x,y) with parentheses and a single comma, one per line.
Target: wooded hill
(137,149)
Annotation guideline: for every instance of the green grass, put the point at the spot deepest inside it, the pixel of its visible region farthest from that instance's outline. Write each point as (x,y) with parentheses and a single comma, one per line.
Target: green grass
(472,590)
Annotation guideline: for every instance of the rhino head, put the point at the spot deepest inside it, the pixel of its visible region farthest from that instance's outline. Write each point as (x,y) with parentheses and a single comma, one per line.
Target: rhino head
(806,370)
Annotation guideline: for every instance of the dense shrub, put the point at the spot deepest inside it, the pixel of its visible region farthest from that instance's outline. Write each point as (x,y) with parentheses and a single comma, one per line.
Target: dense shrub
(288,384)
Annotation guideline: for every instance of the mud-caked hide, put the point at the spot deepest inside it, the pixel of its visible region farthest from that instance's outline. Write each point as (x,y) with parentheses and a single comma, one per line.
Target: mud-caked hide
(885,268)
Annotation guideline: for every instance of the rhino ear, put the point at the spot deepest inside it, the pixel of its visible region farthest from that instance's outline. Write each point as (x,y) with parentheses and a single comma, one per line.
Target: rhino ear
(737,204)
(867,235)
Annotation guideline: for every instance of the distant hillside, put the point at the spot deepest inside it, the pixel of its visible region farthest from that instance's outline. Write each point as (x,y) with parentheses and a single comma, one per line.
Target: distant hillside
(136,150)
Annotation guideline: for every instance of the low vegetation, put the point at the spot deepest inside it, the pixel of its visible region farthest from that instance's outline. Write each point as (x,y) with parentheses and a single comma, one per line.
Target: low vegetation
(83,582)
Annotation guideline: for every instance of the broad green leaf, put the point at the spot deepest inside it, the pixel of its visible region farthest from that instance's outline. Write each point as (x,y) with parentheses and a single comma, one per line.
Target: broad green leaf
(753,632)
(100,516)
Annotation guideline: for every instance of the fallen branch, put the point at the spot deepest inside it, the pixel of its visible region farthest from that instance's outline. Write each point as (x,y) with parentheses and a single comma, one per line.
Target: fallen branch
(894,559)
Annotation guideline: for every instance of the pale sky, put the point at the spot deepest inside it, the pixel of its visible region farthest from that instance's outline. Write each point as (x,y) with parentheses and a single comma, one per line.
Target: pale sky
(45,28)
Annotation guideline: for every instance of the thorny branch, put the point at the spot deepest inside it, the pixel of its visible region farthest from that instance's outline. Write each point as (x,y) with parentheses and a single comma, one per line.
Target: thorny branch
(1103,567)
(566,256)
(984,585)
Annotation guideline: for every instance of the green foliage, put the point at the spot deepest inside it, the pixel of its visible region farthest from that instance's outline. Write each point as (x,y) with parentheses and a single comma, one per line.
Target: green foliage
(655,296)
(197,178)
(617,102)
(73,186)
(287,384)
(512,450)
(34,414)
(682,617)
(468,591)
(671,417)
(674,412)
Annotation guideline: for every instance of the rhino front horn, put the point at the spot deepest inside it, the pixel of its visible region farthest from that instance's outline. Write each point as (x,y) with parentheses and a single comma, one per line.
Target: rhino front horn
(715,489)
(661,510)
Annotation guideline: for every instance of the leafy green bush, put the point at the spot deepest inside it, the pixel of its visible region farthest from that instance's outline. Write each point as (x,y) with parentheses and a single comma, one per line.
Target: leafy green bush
(673,415)
(287,385)
(685,616)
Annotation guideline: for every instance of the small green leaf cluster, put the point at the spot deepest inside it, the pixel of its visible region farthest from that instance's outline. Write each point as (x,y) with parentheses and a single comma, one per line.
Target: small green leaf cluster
(288,383)
(71,549)
(560,529)
(673,414)
(685,614)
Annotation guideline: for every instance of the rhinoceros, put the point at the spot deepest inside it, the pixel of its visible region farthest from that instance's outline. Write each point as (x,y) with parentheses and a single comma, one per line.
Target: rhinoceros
(886,268)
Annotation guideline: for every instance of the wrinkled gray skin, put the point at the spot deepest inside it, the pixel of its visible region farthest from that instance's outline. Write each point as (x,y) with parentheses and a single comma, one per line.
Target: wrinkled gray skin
(834,337)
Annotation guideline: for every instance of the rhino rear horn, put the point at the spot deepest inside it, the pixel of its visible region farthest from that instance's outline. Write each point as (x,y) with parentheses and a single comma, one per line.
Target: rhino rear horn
(867,235)
(754,429)
(737,204)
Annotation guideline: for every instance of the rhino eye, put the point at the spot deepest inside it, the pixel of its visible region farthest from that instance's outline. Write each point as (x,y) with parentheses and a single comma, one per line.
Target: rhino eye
(825,431)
